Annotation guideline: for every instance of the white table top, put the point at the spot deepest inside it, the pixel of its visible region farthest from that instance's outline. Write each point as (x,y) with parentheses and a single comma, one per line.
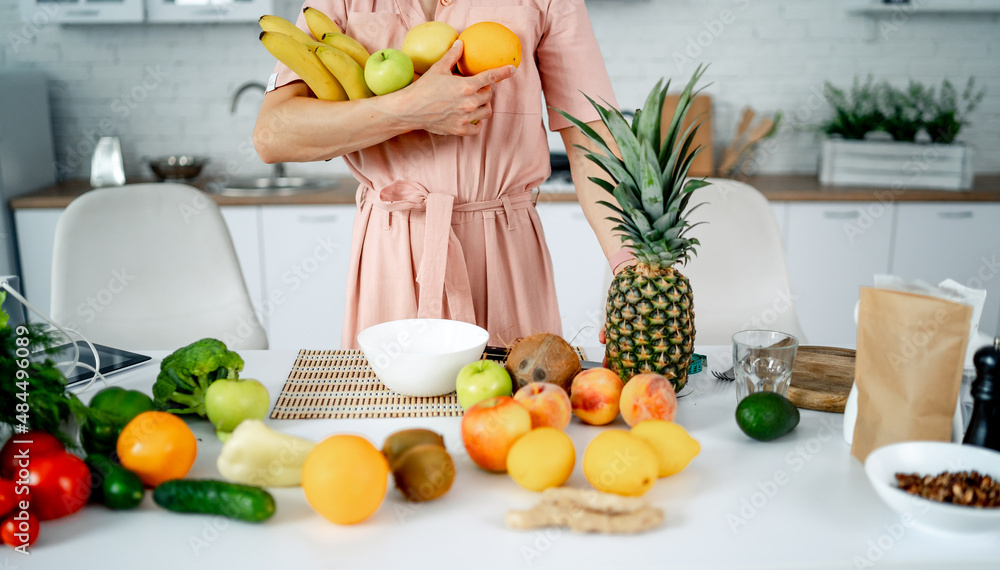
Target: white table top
(798,502)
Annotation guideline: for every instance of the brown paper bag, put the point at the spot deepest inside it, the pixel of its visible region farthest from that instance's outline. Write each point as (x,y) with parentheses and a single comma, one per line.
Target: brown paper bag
(908,367)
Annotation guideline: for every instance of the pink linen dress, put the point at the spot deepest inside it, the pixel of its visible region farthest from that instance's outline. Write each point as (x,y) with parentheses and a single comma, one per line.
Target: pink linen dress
(446,225)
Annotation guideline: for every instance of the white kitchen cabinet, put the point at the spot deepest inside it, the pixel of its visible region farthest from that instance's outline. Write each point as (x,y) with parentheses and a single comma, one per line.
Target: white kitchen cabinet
(41,12)
(952,240)
(244,229)
(582,274)
(36,236)
(207,11)
(306,254)
(832,249)
(780,210)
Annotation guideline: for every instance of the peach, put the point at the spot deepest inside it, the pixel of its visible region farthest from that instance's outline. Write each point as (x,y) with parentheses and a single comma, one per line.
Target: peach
(547,403)
(648,397)
(594,396)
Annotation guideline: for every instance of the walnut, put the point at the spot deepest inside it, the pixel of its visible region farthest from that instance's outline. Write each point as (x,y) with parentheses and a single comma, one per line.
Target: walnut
(967,488)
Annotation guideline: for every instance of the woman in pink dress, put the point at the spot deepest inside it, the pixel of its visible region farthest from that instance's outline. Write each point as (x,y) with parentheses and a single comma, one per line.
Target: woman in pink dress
(446,225)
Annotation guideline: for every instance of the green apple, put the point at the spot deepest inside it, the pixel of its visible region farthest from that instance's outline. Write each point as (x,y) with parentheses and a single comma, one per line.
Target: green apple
(229,402)
(388,70)
(481,380)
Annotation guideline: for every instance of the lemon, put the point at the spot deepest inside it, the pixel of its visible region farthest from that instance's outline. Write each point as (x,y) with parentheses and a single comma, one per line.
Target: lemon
(618,462)
(673,446)
(542,458)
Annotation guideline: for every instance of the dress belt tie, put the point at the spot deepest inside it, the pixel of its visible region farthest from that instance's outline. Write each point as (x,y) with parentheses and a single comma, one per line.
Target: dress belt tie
(443,272)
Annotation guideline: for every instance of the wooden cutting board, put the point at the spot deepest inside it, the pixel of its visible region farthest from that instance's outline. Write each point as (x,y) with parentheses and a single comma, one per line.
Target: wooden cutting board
(701,108)
(822,378)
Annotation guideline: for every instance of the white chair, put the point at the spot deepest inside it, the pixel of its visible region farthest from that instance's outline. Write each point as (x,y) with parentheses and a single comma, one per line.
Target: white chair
(739,275)
(150,267)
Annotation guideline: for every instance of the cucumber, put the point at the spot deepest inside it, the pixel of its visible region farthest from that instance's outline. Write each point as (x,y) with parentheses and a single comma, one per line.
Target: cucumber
(210,497)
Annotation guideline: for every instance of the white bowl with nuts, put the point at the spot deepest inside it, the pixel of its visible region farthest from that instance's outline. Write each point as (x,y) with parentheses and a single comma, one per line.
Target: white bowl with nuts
(948,487)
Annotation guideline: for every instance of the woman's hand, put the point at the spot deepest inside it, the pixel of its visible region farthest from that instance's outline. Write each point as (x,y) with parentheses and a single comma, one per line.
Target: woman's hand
(446,104)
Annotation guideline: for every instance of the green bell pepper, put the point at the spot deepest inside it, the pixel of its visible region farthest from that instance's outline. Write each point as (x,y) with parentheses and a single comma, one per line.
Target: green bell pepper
(115,407)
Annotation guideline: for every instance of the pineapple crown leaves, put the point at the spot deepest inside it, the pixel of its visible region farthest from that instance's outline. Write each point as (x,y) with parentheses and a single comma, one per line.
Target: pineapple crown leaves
(649,181)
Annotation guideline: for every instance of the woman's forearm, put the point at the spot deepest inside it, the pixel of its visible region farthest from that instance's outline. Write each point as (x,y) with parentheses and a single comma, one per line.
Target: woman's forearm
(293,126)
(589,193)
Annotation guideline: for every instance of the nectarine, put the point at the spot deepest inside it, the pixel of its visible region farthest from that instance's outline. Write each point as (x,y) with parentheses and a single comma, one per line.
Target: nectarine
(648,397)
(595,395)
(547,403)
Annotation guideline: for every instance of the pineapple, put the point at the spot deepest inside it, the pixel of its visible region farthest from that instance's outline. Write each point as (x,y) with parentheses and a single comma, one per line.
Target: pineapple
(650,309)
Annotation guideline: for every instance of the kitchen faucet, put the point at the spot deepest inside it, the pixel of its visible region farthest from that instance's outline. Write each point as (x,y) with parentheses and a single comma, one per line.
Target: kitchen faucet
(278,169)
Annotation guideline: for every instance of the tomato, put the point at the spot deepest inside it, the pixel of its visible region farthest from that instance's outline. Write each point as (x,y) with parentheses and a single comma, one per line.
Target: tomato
(8,499)
(157,446)
(12,454)
(59,485)
(17,533)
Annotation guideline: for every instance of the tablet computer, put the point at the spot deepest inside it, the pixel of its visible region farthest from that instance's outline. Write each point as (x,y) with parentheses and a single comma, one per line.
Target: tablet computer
(112,360)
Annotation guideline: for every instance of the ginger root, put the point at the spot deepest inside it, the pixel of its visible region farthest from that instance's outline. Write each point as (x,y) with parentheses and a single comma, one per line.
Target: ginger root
(587,511)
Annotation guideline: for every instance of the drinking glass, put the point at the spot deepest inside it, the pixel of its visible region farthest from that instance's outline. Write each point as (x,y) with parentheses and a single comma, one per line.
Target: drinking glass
(763,361)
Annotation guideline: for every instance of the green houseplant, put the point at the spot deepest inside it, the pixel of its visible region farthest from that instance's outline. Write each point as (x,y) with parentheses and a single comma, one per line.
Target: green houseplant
(855,155)
(855,112)
(948,112)
(903,110)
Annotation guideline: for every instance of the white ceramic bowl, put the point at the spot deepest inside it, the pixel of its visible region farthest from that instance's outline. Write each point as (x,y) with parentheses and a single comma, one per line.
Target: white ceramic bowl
(932,458)
(421,357)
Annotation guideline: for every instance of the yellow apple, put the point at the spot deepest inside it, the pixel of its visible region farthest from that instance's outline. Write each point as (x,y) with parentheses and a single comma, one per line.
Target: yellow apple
(427,42)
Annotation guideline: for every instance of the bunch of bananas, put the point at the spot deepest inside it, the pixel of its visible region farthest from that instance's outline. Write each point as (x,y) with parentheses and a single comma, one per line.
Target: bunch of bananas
(333,67)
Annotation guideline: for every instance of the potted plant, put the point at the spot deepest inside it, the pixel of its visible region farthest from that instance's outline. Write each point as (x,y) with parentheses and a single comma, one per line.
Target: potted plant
(947,115)
(884,136)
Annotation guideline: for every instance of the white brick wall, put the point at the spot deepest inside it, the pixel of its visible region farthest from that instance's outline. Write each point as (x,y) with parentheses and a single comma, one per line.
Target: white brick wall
(166,88)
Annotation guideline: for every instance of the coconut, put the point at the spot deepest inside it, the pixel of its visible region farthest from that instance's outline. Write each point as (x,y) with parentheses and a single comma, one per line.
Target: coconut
(543,357)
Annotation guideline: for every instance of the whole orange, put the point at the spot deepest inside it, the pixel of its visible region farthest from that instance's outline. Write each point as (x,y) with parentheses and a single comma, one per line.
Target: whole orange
(345,478)
(488,45)
(157,446)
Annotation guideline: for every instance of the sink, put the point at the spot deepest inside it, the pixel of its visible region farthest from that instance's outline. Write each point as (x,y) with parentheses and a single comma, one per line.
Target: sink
(270,186)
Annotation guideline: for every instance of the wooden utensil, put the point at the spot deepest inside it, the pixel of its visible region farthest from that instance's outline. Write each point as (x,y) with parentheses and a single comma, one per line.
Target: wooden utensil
(700,110)
(739,147)
(822,378)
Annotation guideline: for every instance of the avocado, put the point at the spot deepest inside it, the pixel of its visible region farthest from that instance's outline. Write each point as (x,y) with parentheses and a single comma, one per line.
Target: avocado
(766,415)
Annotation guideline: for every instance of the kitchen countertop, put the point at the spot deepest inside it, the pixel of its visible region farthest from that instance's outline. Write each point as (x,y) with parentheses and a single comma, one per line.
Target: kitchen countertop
(776,187)
(800,501)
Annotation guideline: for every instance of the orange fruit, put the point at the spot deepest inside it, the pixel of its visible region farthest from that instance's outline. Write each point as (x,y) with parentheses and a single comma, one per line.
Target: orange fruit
(488,45)
(345,478)
(157,446)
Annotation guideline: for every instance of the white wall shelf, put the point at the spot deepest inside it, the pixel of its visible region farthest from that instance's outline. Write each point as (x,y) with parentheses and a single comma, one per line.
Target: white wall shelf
(928,7)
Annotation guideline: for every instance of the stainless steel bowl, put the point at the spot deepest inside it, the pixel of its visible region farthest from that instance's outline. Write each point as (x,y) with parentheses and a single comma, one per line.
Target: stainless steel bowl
(177,167)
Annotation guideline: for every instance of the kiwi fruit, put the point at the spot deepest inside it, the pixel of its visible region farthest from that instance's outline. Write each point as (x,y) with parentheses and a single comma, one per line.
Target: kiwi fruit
(423,472)
(398,443)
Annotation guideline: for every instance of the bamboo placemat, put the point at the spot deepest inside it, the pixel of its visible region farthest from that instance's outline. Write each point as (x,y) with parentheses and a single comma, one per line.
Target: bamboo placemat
(339,384)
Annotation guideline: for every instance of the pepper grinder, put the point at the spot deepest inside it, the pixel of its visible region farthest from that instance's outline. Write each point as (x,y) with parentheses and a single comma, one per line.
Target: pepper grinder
(984,427)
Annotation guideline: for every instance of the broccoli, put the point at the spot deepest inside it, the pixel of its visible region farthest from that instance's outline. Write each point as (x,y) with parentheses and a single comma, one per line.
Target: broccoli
(187,373)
